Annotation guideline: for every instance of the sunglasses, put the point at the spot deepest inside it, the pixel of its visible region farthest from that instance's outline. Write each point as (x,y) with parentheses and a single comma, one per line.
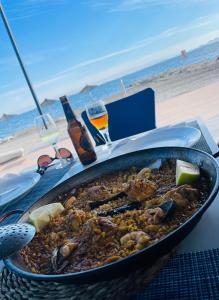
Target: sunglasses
(44,161)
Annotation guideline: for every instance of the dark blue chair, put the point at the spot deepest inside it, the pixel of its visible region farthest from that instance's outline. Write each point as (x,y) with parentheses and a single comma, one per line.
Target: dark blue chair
(128,116)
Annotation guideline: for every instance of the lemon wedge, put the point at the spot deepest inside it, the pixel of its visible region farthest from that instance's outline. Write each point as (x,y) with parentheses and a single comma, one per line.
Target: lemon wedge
(41,216)
(186,172)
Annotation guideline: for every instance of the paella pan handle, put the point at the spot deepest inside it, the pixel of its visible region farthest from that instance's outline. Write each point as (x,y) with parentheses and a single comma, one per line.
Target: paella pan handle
(10,213)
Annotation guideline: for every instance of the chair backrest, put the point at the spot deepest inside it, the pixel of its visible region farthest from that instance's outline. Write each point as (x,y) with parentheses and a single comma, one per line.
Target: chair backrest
(128,116)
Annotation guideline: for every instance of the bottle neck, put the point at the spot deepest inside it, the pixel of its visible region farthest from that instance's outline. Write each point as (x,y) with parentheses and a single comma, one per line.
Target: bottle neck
(70,115)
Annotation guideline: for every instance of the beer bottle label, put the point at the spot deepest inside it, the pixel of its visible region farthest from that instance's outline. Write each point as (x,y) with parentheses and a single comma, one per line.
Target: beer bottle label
(85,142)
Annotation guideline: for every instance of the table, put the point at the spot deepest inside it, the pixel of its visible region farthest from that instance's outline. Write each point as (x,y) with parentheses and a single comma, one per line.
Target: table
(197,240)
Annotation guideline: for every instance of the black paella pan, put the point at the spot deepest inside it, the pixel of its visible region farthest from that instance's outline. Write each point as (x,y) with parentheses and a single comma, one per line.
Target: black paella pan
(142,158)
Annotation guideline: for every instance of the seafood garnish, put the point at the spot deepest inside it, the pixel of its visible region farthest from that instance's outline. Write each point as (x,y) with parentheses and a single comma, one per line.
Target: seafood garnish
(136,190)
(60,255)
(182,195)
(168,207)
(160,213)
(144,173)
(137,239)
(98,203)
(120,209)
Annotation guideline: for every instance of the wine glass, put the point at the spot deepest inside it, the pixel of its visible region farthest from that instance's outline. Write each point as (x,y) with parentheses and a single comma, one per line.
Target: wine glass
(49,133)
(98,116)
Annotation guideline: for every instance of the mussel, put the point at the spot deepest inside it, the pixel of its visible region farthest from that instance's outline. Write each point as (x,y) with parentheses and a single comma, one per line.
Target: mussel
(120,209)
(137,190)
(161,212)
(60,255)
(98,203)
(168,207)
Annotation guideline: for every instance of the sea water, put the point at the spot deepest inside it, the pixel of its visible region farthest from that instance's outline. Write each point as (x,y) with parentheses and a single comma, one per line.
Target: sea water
(25,121)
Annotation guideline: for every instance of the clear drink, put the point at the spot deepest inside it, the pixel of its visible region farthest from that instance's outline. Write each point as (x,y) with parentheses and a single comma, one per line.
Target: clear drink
(49,133)
(50,138)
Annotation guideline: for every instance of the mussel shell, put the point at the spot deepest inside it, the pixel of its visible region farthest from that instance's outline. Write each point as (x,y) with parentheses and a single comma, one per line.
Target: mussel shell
(168,207)
(58,262)
(119,210)
(98,203)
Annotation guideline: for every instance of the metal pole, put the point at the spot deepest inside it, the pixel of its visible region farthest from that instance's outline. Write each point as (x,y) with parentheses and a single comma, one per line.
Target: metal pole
(8,29)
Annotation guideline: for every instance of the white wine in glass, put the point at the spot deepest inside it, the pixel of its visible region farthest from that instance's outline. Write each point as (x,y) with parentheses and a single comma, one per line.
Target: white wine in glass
(98,116)
(49,133)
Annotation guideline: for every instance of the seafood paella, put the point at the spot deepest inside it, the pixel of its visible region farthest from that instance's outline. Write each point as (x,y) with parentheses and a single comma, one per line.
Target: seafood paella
(111,218)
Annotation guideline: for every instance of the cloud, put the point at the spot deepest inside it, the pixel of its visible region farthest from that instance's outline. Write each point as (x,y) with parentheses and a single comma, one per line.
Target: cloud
(71,82)
(14,92)
(130,5)
(47,2)
(40,3)
(5,87)
(10,62)
(7,61)
(101,58)
(29,8)
(108,66)
(68,80)
(42,55)
(170,32)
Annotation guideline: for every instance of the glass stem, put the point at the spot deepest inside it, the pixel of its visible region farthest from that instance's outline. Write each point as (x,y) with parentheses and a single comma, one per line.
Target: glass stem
(58,155)
(105,133)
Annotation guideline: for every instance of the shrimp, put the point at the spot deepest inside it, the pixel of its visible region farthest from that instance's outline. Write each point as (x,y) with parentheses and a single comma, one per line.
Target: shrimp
(154,215)
(182,195)
(136,239)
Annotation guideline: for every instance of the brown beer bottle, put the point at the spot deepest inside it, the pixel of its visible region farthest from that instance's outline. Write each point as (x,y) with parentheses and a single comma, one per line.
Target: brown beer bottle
(78,135)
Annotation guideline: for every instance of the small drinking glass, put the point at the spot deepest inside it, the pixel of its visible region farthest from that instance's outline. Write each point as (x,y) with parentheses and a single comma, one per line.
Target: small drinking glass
(98,116)
(49,133)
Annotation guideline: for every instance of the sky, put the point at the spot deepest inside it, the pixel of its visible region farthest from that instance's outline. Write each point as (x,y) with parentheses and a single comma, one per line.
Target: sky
(66,44)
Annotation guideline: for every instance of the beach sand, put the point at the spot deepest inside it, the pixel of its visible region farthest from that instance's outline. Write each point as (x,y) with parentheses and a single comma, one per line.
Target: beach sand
(181,94)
